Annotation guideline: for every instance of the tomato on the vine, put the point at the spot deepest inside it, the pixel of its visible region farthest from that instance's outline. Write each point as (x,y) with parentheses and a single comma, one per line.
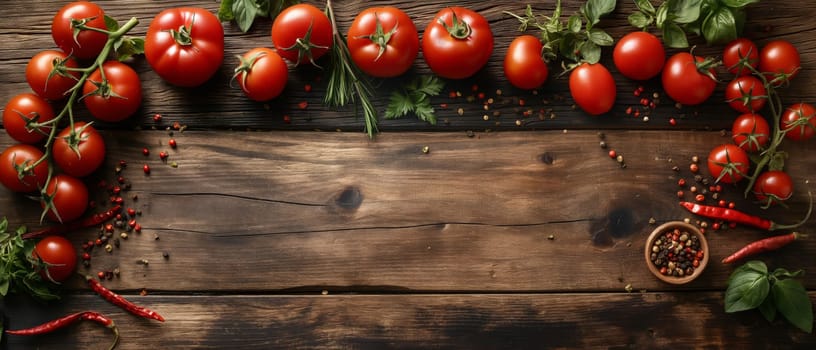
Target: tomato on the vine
(739,54)
(639,55)
(457,43)
(302,34)
(262,74)
(116,97)
(81,152)
(779,59)
(523,65)
(65,198)
(58,257)
(773,186)
(746,94)
(688,79)
(18,156)
(23,110)
(799,122)
(86,43)
(383,41)
(48,75)
(593,88)
(185,45)
(728,163)
(751,132)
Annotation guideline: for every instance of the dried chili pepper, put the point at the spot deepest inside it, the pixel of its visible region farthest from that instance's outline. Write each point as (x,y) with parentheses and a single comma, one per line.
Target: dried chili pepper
(761,246)
(65,321)
(94,220)
(736,216)
(120,301)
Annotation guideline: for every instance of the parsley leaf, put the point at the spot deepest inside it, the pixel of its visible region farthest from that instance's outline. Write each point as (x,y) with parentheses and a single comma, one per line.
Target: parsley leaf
(415,97)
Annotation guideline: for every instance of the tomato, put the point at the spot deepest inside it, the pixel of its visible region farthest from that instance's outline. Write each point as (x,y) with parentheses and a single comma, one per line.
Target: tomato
(87,43)
(751,132)
(728,163)
(81,152)
(738,53)
(47,75)
(779,57)
(68,198)
(746,94)
(639,56)
(799,122)
(262,74)
(116,98)
(185,45)
(302,34)
(19,156)
(21,110)
(593,88)
(383,41)
(684,82)
(457,43)
(773,186)
(523,65)
(58,256)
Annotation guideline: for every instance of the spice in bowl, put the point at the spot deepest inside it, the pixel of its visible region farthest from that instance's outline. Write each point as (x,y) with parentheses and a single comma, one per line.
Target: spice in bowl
(676,252)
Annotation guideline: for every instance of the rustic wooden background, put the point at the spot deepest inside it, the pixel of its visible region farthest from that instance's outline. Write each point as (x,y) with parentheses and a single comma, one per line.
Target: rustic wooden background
(283,236)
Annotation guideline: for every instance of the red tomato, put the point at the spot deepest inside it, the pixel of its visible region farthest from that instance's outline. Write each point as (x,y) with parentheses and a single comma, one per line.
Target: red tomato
(302,34)
(58,256)
(383,41)
(773,186)
(185,45)
(523,65)
(751,132)
(593,88)
(746,94)
(684,82)
(81,152)
(87,43)
(23,109)
(739,53)
(52,86)
(639,56)
(68,198)
(116,98)
(728,163)
(779,57)
(262,74)
(20,156)
(799,122)
(457,43)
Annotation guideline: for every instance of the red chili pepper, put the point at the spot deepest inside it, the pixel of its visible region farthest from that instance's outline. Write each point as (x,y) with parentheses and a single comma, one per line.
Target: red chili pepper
(69,320)
(736,216)
(761,246)
(94,220)
(120,301)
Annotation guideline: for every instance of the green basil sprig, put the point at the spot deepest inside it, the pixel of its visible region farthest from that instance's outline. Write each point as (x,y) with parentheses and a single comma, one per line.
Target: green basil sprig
(244,12)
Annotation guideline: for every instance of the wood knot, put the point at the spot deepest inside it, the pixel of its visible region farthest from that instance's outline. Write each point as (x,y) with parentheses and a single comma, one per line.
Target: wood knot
(547,158)
(349,199)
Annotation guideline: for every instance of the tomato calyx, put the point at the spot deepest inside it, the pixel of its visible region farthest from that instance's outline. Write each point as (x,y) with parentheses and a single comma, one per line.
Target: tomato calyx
(746,97)
(802,122)
(459,29)
(380,37)
(779,79)
(246,66)
(75,137)
(43,267)
(745,63)
(729,168)
(704,67)
(183,36)
(78,25)
(305,45)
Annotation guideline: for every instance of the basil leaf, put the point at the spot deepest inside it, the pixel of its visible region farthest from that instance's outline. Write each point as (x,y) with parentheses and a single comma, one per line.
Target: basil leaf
(225,11)
(747,290)
(685,11)
(780,272)
(574,23)
(645,6)
(738,3)
(600,37)
(792,301)
(640,20)
(674,36)
(768,309)
(567,47)
(720,27)
(662,14)
(590,52)
(595,9)
(264,7)
(244,11)
(5,283)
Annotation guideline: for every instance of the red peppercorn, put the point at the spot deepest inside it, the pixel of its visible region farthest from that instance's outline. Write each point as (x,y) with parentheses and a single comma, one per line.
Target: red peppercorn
(694,168)
(109,228)
(101,275)
(122,163)
(98,242)
(157,117)
(731,205)
(672,121)
(137,227)
(287,119)
(303,105)
(131,211)
(680,194)
(699,198)
(116,190)
(613,154)
(145,151)
(681,182)
(86,256)
(118,200)
(715,226)
(172,143)
(132,223)
(307,88)
(146,169)
(722,203)
(629,110)
(120,179)
(163,155)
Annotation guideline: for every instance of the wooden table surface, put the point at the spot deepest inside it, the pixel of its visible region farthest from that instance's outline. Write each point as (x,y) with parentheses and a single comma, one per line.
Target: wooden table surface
(513,231)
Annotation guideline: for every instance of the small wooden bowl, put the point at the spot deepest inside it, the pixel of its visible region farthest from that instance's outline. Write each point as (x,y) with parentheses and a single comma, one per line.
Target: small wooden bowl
(684,227)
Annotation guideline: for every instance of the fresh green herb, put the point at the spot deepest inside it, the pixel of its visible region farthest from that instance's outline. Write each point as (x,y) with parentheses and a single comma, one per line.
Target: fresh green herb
(751,286)
(17,272)
(125,46)
(415,97)
(244,12)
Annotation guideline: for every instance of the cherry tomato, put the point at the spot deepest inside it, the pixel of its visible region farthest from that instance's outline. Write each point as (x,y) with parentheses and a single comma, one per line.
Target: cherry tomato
(523,65)
(738,53)
(746,94)
(185,45)
(262,74)
(302,34)
(58,256)
(81,152)
(115,98)
(23,109)
(684,82)
(47,74)
(19,156)
(593,88)
(87,43)
(773,186)
(639,56)
(68,197)
(799,122)
(383,41)
(457,43)
(751,132)
(779,57)
(728,163)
